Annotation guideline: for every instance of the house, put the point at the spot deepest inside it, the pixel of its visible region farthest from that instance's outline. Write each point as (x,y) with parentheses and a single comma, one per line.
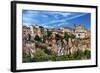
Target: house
(33,30)
(26,30)
(66,29)
(80,31)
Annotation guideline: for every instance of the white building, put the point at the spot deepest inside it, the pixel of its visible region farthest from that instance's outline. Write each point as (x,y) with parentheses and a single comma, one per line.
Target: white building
(80,31)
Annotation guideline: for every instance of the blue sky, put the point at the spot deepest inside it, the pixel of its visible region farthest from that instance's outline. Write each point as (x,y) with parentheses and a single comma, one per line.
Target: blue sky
(55,19)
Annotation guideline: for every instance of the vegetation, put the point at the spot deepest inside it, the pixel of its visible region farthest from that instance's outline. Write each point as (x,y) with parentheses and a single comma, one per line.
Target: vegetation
(26,57)
(72,36)
(66,36)
(49,33)
(46,55)
(40,56)
(54,45)
(37,38)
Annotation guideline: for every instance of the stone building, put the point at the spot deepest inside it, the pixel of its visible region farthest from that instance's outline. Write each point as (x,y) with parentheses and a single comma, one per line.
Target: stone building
(80,31)
(56,40)
(26,30)
(67,29)
(35,30)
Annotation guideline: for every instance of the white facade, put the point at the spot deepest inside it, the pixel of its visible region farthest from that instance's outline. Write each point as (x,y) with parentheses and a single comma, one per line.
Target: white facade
(31,29)
(80,35)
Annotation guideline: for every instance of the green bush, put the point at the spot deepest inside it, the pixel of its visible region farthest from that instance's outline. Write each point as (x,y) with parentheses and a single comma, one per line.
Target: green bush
(87,54)
(62,58)
(40,55)
(26,57)
(49,33)
(78,55)
(72,36)
(43,55)
(66,36)
(37,38)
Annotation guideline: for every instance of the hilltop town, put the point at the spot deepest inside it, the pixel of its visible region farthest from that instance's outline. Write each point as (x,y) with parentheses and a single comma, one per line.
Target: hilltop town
(45,42)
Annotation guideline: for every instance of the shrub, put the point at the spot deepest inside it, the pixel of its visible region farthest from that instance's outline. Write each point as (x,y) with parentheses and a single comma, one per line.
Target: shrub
(49,33)
(37,38)
(72,36)
(40,55)
(46,55)
(62,58)
(78,55)
(87,54)
(26,57)
(66,36)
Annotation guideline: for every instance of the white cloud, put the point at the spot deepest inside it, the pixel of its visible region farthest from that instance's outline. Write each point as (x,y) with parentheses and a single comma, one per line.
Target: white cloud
(75,16)
(65,19)
(61,13)
(26,24)
(30,12)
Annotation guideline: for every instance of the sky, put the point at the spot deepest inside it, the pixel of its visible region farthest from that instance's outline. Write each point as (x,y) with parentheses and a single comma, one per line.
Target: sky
(55,19)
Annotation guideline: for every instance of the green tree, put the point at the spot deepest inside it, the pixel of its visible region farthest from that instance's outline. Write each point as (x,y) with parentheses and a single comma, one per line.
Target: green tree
(72,36)
(87,54)
(40,56)
(37,38)
(66,36)
(49,33)
(26,57)
(78,55)
(62,58)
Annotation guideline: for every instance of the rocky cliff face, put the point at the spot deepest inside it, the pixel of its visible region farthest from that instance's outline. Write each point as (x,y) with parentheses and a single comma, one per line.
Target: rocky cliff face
(59,42)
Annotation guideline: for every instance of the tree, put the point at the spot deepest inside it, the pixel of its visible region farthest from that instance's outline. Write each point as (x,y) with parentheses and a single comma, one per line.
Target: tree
(87,54)
(29,37)
(40,55)
(37,38)
(48,51)
(49,33)
(72,36)
(78,55)
(26,57)
(66,36)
